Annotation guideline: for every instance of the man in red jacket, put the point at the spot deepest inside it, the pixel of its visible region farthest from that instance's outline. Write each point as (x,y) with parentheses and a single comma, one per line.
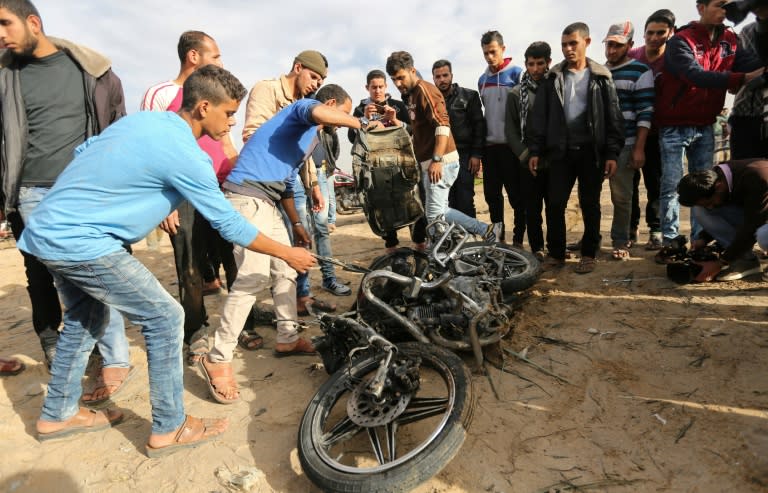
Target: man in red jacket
(702,61)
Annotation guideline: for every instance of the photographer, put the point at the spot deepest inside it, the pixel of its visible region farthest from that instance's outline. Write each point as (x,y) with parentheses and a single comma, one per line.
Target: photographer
(730,202)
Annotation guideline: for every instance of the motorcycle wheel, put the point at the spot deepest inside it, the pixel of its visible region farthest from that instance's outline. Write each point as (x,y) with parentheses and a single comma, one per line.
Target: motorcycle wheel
(399,453)
(518,271)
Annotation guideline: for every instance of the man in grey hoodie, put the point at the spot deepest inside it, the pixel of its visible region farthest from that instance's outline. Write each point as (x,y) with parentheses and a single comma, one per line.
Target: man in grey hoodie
(55,95)
(500,166)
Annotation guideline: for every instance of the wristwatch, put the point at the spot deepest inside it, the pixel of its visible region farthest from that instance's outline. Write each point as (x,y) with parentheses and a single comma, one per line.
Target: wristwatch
(364,122)
(437,159)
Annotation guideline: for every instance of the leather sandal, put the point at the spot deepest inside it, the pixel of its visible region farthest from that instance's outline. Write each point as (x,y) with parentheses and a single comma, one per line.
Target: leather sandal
(250,340)
(220,379)
(85,421)
(192,433)
(585,265)
(110,383)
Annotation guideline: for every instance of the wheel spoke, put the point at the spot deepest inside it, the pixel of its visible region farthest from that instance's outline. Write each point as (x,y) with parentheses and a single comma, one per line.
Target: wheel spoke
(392,440)
(423,408)
(376,445)
(342,430)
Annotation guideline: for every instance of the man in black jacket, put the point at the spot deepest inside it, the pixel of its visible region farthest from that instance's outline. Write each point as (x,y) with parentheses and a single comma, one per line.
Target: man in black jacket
(468,129)
(577,125)
(378,109)
(55,94)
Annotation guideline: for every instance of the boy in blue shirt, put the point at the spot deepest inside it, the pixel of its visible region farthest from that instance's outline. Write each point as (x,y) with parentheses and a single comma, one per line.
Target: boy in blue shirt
(119,187)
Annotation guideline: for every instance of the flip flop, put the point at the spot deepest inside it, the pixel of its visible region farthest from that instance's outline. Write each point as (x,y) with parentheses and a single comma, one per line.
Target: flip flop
(302,348)
(85,421)
(318,305)
(190,434)
(109,377)
(218,376)
(620,253)
(8,366)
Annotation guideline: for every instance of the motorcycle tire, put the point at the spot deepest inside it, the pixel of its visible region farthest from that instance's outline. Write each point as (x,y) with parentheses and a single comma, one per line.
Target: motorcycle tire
(338,455)
(519,272)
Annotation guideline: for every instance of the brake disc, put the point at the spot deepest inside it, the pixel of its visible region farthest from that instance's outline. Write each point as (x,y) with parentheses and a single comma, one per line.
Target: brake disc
(364,411)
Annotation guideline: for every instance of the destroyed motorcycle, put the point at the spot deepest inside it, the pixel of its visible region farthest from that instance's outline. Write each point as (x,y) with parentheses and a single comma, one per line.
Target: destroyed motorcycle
(398,403)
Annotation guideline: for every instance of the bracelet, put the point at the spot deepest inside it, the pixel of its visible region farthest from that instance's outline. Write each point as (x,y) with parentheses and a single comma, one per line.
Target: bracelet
(297,223)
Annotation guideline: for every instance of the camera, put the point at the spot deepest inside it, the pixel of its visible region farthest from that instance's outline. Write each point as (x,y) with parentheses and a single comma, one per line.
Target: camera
(683,267)
(738,10)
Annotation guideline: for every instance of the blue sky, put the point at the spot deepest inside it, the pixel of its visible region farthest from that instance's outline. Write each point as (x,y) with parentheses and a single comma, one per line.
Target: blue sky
(259,40)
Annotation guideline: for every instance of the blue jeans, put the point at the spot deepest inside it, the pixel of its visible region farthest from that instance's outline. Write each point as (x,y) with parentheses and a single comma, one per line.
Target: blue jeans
(436,203)
(92,291)
(675,143)
(317,227)
(331,187)
(113,345)
(723,222)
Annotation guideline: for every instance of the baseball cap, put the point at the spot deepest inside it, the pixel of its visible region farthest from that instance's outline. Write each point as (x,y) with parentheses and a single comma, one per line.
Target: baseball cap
(314,61)
(621,32)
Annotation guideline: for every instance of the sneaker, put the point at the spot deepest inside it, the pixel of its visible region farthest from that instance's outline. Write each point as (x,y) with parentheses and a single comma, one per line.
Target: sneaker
(498,230)
(335,287)
(739,269)
(494,233)
(540,255)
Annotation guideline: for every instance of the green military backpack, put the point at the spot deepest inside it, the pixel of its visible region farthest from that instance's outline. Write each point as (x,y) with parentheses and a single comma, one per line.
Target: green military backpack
(387,176)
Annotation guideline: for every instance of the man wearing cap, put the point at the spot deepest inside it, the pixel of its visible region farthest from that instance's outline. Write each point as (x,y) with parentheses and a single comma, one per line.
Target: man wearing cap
(701,62)
(634,86)
(577,125)
(266,99)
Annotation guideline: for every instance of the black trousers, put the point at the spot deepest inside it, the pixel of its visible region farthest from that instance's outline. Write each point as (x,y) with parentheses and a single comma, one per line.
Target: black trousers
(462,194)
(747,138)
(501,171)
(46,308)
(191,249)
(534,189)
(578,164)
(652,179)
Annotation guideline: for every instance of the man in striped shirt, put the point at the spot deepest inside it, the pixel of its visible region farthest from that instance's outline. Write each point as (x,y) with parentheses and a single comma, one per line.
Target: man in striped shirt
(193,239)
(634,86)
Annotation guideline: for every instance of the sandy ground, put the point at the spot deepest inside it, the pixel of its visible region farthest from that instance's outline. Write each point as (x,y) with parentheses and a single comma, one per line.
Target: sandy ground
(663,388)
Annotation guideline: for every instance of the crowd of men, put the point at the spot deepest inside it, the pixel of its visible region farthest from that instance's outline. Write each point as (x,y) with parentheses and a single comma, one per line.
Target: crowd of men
(533,131)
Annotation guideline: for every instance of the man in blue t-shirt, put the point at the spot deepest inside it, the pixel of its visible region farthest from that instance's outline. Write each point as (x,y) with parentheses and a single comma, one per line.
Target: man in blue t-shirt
(120,185)
(264,179)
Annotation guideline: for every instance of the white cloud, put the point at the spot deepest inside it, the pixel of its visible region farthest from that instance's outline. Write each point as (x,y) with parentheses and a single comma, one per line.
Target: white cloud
(259,39)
